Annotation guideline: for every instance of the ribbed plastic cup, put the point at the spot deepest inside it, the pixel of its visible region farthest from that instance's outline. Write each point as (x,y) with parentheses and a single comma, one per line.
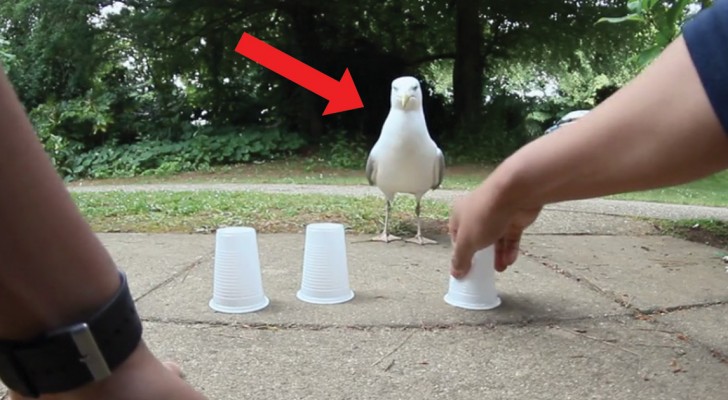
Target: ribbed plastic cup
(325,277)
(476,291)
(237,283)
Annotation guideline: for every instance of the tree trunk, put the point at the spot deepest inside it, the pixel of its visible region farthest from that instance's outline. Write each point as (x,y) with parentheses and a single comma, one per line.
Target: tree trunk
(468,69)
(307,49)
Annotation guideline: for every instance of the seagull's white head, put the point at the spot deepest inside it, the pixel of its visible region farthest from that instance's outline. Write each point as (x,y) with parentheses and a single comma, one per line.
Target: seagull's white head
(406,94)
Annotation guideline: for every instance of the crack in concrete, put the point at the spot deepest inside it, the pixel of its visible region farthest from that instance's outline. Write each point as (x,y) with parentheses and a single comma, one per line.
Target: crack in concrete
(184,271)
(671,309)
(605,214)
(534,322)
(582,280)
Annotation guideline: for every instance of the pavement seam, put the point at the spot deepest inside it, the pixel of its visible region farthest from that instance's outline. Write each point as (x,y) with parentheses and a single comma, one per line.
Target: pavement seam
(672,309)
(580,280)
(631,216)
(626,304)
(184,271)
(674,330)
(545,322)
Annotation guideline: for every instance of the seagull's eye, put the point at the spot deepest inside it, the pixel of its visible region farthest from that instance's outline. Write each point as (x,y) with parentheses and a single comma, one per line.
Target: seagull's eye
(414,87)
(394,88)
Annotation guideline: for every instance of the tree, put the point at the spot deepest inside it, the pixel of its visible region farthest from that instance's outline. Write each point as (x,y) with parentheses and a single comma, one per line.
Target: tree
(664,19)
(166,70)
(468,74)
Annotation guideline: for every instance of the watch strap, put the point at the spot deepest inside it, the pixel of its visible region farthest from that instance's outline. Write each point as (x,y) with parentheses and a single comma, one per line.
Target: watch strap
(73,356)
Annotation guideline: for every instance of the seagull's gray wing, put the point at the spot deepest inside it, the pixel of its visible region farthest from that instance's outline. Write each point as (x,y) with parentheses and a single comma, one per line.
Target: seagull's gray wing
(438,170)
(371,170)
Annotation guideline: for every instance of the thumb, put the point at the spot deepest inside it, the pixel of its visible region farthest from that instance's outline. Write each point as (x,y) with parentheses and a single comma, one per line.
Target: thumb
(462,259)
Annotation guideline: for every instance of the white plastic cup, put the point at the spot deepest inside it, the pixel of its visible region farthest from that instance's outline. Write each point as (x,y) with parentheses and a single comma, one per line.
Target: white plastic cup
(325,277)
(476,291)
(237,283)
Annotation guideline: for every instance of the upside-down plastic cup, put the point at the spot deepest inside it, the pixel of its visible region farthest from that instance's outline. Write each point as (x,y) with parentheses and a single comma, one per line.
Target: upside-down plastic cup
(237,283)
(476,291)
(325,276)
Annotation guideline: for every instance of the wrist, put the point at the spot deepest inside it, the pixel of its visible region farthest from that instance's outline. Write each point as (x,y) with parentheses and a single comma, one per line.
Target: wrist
(506,188)
(74,355)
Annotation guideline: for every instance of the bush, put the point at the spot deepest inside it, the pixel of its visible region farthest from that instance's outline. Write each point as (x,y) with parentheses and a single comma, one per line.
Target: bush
(200,152)
(339,151)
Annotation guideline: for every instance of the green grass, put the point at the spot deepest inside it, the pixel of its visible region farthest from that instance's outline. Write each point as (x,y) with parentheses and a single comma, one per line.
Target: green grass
(295,171)
(710,191)
(203,211)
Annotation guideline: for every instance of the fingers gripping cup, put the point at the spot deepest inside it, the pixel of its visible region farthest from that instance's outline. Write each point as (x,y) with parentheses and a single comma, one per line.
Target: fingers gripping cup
(237,283)
(325,278)
(476,291)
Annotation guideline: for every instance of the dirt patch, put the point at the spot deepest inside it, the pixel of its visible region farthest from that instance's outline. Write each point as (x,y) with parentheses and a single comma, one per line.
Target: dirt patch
(709,232)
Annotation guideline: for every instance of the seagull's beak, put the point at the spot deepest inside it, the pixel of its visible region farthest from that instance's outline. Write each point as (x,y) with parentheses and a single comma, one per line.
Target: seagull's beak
(405,100)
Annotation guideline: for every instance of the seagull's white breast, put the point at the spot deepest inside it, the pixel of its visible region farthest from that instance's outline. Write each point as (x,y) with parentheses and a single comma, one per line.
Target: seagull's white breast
(405,154)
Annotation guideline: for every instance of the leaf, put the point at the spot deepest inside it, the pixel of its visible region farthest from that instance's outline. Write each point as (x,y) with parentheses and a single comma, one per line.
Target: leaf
(665,37)
(673,12)
(645,57)
(617,20)
(635,6)
(648,5)
(539,116)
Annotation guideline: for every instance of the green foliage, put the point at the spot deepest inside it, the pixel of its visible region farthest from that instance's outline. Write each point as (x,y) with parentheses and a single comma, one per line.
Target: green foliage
(6,58)
(664,18)
(575,84)
(118,94)
(504,128)
(338,151)
(164,156)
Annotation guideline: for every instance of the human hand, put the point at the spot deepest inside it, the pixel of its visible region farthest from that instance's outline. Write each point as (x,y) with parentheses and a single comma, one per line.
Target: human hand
(478,221)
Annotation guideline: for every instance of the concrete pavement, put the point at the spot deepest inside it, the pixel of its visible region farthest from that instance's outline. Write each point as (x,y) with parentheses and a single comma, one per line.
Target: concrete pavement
(583,317)
(597,307)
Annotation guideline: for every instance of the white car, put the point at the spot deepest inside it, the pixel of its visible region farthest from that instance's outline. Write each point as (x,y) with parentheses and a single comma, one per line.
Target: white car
(567,119)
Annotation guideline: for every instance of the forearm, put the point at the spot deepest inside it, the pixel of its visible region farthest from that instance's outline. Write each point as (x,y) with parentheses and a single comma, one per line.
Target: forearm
(657,131)
(53,270)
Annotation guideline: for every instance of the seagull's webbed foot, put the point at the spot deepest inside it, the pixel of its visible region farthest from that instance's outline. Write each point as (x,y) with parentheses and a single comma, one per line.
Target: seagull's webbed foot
(418,238)
(384,237)
(421,240)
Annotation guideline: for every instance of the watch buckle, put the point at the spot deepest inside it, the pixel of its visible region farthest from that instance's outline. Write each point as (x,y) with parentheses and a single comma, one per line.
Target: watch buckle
(89,350)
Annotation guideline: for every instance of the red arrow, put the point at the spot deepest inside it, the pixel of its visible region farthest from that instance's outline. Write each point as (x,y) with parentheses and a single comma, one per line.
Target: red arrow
(342,95)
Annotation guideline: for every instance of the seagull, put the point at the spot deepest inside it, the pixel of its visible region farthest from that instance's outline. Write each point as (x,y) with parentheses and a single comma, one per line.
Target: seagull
(405,159)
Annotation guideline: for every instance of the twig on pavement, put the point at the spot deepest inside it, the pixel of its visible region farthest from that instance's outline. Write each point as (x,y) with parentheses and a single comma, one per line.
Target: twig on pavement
(605,341)
(394,350)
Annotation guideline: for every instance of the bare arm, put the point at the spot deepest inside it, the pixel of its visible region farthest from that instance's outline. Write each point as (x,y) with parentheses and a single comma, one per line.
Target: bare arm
(53,269)
(659,130)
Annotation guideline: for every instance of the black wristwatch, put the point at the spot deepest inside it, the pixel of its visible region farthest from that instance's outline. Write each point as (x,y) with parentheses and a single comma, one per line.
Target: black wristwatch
(73,356)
